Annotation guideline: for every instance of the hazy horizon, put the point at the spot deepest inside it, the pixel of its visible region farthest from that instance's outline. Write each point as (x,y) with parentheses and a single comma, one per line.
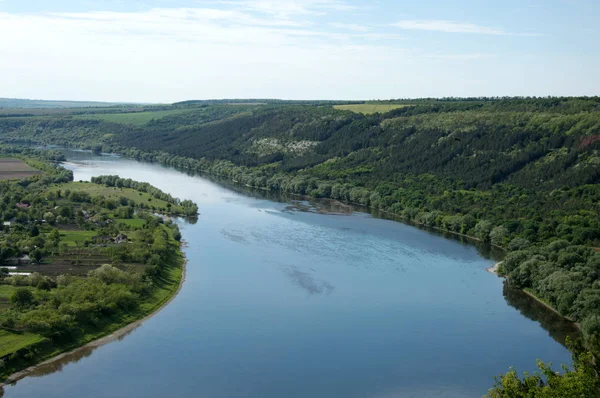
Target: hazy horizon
(164,51)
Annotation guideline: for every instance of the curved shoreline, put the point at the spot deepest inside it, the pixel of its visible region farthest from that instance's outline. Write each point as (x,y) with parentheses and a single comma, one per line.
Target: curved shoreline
(13,378)
(494,270)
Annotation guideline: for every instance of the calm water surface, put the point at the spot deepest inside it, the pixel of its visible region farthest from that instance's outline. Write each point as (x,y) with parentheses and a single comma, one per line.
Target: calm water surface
(282,303)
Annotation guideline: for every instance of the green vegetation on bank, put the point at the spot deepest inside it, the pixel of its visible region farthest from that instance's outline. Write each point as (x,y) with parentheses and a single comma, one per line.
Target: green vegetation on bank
(519,173)
(80,260)
(133,118)
(580,381)
(157,201)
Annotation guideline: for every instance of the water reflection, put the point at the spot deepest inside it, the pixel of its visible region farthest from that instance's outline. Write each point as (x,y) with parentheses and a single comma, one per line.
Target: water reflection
(57,364)
(308,282)
(335,207)
(558,327)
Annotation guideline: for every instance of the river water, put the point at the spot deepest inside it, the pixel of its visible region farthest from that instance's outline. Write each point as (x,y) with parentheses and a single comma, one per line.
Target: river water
(282,301)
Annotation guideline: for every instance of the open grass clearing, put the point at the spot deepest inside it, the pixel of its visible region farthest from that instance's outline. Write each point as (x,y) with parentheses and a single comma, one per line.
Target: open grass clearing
(367,109)
(133,118)
(132,222)
(114,193)
(6,291)
(11,342)
(73,238)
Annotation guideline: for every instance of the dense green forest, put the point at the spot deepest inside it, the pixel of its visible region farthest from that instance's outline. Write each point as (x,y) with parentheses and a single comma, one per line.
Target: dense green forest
(519,173)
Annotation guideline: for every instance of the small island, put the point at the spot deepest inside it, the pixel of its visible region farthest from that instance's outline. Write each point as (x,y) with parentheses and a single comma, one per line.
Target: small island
(79,260)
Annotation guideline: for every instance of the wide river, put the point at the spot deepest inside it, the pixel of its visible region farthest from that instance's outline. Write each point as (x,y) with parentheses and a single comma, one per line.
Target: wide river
(281,302)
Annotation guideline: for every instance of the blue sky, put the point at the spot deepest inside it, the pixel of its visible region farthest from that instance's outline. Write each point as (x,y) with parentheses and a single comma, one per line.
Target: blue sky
(170,50)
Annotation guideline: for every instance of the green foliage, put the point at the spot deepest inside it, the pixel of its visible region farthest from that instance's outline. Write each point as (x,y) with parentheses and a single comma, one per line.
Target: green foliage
(22,297)
(579,382)
(188,207)
(133,118)
(75,308)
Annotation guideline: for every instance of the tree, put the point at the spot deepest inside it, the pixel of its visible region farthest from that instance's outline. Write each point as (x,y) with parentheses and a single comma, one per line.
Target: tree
(482,230)
(22,297)
(44,285)
(497,235)
(49,217)
(518,244)
(36,255)
(49,322)
(580,382)
(54,237)
(65,211)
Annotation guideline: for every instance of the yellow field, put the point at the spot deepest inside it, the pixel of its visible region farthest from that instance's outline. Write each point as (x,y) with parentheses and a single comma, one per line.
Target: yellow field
(367,109)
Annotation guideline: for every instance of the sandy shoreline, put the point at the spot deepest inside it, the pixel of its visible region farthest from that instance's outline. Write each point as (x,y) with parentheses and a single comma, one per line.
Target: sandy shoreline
(98,342)
(494,269)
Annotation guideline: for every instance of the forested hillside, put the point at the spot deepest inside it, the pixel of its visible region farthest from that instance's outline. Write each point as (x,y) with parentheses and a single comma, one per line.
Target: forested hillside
(520,173)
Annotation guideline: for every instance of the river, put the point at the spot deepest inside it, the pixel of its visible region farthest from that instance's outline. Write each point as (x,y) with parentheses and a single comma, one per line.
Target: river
(281,300)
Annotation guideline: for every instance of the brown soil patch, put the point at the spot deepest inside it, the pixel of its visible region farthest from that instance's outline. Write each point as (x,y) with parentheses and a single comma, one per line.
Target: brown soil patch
(14,169)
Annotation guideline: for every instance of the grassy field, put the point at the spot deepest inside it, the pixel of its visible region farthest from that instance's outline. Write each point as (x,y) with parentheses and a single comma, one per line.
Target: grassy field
(367,109)
(114,193)
(11,342)
(13,168)
(132,222)
(134,118)
(5,292)
(71,238)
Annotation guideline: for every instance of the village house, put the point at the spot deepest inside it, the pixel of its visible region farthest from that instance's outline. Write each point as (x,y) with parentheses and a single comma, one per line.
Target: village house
(25,259)
(121,238)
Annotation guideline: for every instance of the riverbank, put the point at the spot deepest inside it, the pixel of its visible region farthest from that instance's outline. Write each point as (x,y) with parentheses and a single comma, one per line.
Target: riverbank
(549,307)
(349,206)
(495,270)
(161,297)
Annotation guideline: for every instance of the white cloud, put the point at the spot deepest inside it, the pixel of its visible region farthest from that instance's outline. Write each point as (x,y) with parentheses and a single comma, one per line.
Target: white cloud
(286,9)
(349,26)
(170,54)
(460,57)
(456,27)
(448,27)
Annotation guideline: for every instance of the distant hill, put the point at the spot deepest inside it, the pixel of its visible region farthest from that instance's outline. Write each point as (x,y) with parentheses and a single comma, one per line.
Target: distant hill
(18,103)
